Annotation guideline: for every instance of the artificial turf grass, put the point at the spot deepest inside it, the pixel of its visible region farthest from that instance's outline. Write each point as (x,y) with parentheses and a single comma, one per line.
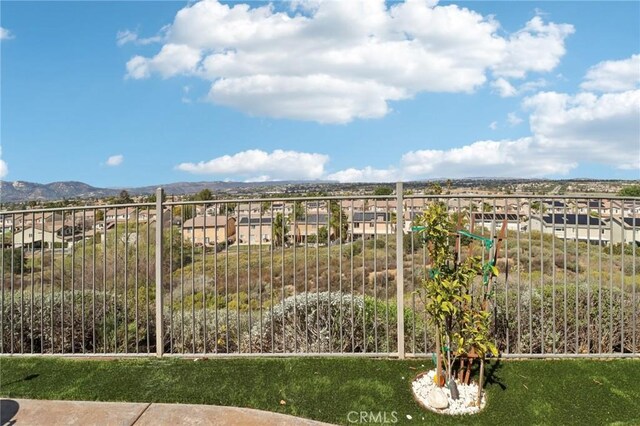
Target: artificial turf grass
(328,389)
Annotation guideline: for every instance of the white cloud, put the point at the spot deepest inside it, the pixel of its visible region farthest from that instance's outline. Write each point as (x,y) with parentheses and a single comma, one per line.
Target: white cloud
(613,76)
(537,47)
(504,88)
(5,34)
(4,169)
(367,174)
(172,60)
(115,160)
(493,125)
(256,164)
(341,60)
(513,119)
(521,157)
(314,97)
(127,36)
(566,130)
(602,129)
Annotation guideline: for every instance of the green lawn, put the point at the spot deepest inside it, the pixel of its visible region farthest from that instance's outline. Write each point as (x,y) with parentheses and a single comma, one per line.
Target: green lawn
(520,392)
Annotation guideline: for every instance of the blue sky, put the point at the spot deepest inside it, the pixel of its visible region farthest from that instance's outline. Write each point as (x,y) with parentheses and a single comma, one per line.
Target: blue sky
(140,93)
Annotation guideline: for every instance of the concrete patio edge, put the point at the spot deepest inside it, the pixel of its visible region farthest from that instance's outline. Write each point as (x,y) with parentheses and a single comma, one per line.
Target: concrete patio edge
(45,412)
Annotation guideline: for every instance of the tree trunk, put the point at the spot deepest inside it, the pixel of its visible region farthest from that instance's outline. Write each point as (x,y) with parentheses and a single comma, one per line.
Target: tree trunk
(480,381)
(438,360)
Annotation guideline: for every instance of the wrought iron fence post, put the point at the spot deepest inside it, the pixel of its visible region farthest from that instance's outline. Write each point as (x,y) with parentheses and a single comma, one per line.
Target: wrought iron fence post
(400,267)
(159,307)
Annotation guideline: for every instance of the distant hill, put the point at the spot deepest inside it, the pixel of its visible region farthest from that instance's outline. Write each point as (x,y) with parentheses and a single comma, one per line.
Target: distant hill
(27,191)
(20,191)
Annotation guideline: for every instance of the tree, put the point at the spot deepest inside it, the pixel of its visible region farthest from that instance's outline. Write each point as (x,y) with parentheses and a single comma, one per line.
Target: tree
(449,184)
(630,191)
(434,189)
(280,230)
(152,198)
(538,207)
(184,212)
(99,215)
(227,208)
(460,328)
(323,235)
(124,197)
(19,261)
(383,190)
(338,221)
(298,211)
(204,195)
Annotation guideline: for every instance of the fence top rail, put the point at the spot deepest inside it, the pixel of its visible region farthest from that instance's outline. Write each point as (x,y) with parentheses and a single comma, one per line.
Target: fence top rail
(521,196)
(76,208)
(283,199)
(392,197)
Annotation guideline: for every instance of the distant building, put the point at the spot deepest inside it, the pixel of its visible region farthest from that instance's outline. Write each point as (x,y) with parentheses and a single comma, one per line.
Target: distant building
(625,230)
(581,227)
(369,224)
(254,230)
(209,230)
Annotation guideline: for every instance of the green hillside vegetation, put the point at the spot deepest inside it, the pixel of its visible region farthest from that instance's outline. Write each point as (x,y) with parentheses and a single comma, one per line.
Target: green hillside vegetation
(244,283)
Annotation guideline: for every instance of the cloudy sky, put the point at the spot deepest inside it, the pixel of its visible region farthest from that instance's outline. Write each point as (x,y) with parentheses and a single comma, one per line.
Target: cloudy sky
(141,93)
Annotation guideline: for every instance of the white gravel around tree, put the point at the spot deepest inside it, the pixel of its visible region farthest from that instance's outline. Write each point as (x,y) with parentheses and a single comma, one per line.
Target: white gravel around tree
(431,396)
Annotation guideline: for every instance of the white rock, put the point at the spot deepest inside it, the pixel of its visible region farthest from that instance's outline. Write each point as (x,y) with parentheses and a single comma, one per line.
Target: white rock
(437,399)
(424,386)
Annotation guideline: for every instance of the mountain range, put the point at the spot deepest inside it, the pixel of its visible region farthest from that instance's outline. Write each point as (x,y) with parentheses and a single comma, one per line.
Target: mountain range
(20,191)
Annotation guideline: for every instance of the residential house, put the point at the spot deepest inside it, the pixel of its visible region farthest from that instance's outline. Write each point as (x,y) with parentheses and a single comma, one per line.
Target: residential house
(555,206)
(254,230)
(282,207)
(122,214)
(34,238)
(47,235)
(246,209)
(588,206)
(308,226)
(370,224)
(626,230)
(582,227)
(209,230)
(495,220)
(48,217)
(150,216)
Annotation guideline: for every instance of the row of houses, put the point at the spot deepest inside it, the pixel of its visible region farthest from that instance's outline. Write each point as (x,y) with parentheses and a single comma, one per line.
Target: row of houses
(46,230)
(259,230)
(85,218)
(417,205)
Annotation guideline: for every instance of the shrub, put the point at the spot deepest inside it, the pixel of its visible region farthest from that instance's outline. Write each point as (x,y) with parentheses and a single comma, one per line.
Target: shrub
(67,324)
(410,247)
(327,322)
(15,255)
(608,311)
(222,331)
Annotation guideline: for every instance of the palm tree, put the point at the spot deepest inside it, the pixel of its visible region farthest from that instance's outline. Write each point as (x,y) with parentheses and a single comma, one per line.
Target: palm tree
(338,221)
(280,229)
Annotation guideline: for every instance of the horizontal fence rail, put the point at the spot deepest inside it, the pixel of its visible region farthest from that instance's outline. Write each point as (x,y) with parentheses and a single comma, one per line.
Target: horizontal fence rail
(313,275)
